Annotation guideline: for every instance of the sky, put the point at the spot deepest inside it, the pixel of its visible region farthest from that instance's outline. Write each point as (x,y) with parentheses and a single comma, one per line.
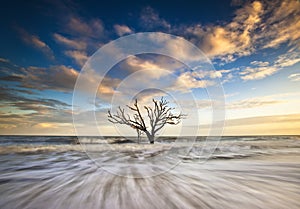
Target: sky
(252,45)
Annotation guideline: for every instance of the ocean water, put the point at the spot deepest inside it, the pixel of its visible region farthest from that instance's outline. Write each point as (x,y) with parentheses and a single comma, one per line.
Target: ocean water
(237,172)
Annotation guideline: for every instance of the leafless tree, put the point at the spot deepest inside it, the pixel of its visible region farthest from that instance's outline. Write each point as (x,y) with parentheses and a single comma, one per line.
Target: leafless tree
(160,115)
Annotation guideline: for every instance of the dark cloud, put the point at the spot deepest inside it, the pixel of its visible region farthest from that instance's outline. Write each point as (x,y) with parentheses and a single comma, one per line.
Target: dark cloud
(59,78)
(16,97)
(31,110)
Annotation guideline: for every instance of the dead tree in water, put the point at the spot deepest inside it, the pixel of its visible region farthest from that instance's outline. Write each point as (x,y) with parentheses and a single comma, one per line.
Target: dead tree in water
(158,116)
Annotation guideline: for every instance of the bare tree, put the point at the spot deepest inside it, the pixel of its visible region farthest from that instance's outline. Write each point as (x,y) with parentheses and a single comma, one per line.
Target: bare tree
(158,116)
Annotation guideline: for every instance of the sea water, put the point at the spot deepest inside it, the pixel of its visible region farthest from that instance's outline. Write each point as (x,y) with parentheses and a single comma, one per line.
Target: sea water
(241,172)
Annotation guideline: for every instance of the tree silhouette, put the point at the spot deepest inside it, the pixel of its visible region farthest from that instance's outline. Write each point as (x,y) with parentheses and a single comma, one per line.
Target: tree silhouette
(158,116)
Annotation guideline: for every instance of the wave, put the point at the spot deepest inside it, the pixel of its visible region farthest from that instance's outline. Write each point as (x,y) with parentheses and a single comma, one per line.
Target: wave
(225,150)
(35,149)
(10,140)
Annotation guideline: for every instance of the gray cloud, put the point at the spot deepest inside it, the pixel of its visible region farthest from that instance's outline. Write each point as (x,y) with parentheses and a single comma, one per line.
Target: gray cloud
(60,78)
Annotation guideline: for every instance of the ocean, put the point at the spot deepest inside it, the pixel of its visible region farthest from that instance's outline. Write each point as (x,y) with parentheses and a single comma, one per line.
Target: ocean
(111,173)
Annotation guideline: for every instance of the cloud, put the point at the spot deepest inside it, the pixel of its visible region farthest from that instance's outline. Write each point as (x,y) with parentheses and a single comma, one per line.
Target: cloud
(260,63)
(294,77)
(150,20)
(231,39)
(75,44)
(4,60)
(22,113)
(31,110)
(264,69)
(35,42)
(170,74)
(236,2)
(262,125)
(209,73)
(82,37)
(107,87)
(288,59)
(80,57)
(59,78)
(90,81)
(47,125)
(256,25)
(145,97)
(190,80)
(12,94)
(282,25)
(91,29)
(122,29)
(264,119)
(260,71)
(257,73)
(252,103)
(178,48)
(151,68)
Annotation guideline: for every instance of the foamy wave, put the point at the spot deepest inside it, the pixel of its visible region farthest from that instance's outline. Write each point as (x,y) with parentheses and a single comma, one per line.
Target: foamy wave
(38,149)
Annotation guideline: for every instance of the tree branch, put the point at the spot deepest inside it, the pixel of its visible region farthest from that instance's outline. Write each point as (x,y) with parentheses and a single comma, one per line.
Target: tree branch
(158,116)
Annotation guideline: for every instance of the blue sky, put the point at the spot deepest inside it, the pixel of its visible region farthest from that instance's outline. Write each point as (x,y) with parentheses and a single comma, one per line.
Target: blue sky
(253,45)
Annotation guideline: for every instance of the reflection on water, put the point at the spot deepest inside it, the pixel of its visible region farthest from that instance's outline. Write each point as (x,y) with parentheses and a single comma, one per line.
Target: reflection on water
(68,179)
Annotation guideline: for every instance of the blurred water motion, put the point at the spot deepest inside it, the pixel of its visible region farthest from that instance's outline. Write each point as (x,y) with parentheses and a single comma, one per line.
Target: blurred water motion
(64,177)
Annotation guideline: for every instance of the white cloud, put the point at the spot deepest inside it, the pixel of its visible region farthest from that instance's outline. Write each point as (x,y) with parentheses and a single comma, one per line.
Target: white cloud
(294,77)
(260,63)
(264,69)
(209,73)
(179,48)
(258,72)
(287,59)
(190,80)
(122,29)
(145,97)
(151,69)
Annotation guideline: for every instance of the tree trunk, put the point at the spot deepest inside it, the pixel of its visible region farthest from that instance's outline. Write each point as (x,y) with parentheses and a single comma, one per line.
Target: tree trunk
(138,135)
(150,137)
